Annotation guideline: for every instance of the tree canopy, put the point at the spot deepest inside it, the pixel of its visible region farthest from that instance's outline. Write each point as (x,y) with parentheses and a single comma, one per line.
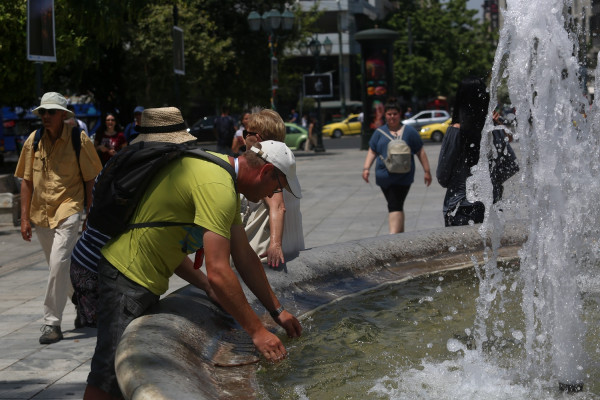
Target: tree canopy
(121,52)
(440,43)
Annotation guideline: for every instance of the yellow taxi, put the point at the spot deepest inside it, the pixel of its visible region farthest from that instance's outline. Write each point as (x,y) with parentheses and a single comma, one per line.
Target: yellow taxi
(350,126)
(435,132)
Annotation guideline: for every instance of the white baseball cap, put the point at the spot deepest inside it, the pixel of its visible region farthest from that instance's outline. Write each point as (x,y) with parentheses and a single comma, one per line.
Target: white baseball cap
(278,154)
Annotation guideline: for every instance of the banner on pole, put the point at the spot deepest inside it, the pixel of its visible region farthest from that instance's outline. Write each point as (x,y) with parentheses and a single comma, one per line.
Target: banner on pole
(178,55)
(40,31)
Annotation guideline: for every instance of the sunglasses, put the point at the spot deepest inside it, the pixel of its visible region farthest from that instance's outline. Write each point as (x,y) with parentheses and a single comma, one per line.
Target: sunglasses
(43,111)
(260,154)
(279,183)
(246,133)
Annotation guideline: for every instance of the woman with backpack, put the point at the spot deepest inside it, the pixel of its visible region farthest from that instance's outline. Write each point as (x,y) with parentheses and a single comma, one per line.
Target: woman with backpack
(395,185)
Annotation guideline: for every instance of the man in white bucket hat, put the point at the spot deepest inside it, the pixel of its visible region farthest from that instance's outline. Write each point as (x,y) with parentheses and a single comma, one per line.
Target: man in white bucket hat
(57,170)
(137,264)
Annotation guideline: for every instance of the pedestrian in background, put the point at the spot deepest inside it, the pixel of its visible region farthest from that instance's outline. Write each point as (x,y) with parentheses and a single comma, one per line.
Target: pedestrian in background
(130,132)
(54,186)
(394,186)
(294,117)
(225,131)
(460,152)
(313,129)
(273,224)
(76,121)
(109,140)
(304,121)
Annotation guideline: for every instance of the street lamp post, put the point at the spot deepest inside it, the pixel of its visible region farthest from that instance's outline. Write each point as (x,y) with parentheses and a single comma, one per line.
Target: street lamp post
(314,46)
(270,22)
(341,62)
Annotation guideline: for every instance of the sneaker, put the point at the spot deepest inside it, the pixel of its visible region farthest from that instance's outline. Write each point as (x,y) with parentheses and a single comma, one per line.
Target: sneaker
(50,334)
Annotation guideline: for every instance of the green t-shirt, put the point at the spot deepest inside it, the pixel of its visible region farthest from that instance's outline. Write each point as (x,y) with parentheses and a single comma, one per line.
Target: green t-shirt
(187,190)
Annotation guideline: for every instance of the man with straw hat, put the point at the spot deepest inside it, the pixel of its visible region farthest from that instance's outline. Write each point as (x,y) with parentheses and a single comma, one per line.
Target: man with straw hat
(55,183)
(137,264)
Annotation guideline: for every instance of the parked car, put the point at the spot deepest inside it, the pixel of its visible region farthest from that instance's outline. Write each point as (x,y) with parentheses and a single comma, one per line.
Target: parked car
(426,117)
(295,136)
(435,132)
(203,129)
(350,126)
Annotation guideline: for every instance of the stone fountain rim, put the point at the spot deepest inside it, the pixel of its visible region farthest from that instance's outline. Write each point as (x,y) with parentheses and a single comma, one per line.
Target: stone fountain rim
(188,348)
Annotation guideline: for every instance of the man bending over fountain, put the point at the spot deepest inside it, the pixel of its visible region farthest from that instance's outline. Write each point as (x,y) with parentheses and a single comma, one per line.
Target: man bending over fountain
(136,265)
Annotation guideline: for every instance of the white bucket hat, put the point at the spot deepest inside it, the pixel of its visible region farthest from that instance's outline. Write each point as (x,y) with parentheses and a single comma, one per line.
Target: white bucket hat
(54,101)
(278,154)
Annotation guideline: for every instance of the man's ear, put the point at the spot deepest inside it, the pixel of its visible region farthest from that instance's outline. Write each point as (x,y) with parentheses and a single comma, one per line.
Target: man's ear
(266,169)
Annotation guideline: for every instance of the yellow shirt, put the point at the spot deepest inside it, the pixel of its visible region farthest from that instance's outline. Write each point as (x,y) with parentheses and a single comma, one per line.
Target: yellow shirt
(58,190)
(187,190)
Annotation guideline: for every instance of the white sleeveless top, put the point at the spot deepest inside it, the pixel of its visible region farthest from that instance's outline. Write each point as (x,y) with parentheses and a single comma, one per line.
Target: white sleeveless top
(255,217)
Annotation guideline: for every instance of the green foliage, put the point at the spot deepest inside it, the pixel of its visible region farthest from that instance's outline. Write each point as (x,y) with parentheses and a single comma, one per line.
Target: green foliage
(448,43)
(17,75)
(121,52)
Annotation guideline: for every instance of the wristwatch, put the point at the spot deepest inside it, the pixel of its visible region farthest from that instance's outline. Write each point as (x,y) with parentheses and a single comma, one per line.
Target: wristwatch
(275,314)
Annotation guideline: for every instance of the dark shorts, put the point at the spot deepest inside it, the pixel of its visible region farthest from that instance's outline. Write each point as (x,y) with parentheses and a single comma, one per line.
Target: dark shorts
(85,296)
(395,196)
(120,302)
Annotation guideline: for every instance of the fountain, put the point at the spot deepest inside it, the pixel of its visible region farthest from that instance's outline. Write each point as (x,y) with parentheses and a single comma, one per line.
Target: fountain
(537,58)
(197,351)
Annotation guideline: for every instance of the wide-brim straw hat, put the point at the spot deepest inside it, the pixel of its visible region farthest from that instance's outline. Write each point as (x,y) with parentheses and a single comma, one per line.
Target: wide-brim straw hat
(54,101)
(163,124)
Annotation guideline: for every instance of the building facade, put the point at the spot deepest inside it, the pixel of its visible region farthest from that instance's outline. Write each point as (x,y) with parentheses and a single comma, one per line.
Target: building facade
(340,20)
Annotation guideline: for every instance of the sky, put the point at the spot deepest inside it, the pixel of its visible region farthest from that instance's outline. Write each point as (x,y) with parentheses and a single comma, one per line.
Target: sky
(475,5)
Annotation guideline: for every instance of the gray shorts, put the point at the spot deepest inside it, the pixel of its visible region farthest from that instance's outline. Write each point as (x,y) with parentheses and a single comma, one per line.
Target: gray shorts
(120,302)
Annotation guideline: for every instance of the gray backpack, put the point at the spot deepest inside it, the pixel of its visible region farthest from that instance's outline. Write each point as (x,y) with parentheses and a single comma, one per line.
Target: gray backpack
(399,154)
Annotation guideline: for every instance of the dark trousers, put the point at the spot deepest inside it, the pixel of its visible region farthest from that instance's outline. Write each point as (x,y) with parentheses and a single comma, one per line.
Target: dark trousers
(120,301)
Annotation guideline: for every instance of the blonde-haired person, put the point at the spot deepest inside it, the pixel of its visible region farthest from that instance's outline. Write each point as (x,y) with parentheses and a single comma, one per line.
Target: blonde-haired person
(274,224)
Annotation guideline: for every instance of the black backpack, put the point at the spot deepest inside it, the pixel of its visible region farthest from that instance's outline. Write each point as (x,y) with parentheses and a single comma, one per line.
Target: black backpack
(124,179)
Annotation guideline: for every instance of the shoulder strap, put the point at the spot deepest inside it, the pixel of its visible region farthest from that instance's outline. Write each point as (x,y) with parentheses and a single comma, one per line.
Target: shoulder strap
(76,140)
(76,143)
(37,138)
(401,133)
(386,134)
(199,153)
